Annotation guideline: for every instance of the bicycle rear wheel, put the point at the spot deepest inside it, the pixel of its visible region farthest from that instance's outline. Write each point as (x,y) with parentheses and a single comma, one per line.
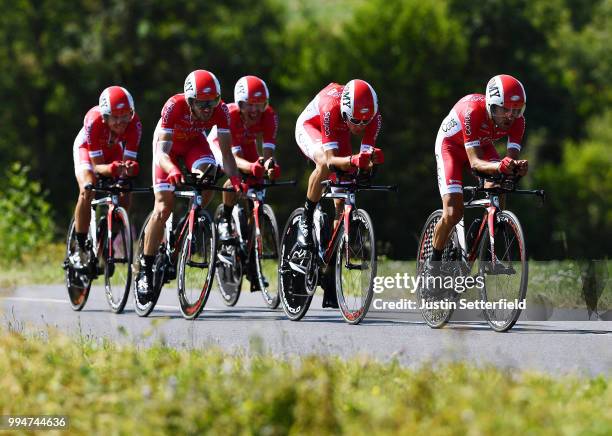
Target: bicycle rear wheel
(292,271)
(117,260)
(356,268)
(229,267)
(144,308)
(78,283)
(430,298)
(266,257)
(505,279)
(196,265)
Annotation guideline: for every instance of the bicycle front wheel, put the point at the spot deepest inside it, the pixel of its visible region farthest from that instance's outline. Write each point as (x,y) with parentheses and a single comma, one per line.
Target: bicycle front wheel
(117,260)
(78,283)
(356,268)
(505,274)
(292,271)
(266,256)
(196,265)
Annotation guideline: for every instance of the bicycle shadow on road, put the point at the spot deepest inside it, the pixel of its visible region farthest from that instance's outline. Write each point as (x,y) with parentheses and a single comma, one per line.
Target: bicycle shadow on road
(526,328)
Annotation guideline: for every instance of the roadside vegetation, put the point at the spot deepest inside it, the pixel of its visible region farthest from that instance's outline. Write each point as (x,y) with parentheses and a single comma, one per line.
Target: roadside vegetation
(112,389)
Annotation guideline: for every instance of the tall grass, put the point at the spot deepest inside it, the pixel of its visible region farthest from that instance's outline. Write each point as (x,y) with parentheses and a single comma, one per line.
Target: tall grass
(110,389)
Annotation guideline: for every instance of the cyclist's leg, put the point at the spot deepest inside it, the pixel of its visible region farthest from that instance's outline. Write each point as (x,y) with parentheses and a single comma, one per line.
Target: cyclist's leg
(450,161)
(199,159)
(308,139)
(164,204)
(84,174)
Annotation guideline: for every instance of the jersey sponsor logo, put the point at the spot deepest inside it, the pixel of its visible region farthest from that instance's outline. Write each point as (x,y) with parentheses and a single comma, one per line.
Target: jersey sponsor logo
(326,126)
(168,111)
(468,121)
(448,125)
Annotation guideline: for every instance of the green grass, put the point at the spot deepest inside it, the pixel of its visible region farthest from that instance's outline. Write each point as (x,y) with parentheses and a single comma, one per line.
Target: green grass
(41,267)
(111,389)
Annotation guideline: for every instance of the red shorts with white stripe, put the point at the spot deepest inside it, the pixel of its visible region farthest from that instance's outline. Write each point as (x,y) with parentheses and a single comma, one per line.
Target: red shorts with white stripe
(450,161)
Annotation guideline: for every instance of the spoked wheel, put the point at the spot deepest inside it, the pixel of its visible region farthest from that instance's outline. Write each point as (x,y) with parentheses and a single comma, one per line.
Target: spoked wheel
(142,307)
(505,277)
(78,282)
(356,268)
(196,265)
(429,293)
(266,257)
(293,271)
(117,260)
(229,267)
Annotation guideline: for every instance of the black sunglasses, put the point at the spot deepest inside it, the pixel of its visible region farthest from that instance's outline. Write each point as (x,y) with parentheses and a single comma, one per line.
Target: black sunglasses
(206,104)
(356,122)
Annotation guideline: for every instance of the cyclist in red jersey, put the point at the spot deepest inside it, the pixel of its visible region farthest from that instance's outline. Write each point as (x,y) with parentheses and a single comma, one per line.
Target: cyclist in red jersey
(253,122)
(181,135)
(106,145)
(466,136)
(323,133)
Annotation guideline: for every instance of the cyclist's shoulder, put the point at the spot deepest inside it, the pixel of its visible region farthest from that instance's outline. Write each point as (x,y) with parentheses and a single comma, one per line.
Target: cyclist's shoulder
(93,116)
(474,102)
(175,102)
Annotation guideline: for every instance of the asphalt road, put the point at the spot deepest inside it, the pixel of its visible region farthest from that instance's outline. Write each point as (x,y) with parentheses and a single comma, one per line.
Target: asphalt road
(556,347)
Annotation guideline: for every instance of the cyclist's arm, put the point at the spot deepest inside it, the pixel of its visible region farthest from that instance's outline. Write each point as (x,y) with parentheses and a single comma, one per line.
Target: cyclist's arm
(477,163)
(243,165)
(267,148)
(162,151)
(225,145)
(100,167)
(337,162)
(513,153)
(268,136)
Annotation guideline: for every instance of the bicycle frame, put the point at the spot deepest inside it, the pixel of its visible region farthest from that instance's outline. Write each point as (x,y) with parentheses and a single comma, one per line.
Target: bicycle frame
(348,196)
(344,218)
(256,194)
(173,243)
(112,202)
(492,205)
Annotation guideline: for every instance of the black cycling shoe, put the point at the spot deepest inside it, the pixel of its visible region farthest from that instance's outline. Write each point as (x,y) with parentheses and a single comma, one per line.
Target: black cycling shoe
(304,236)
(144,285)
(225,230)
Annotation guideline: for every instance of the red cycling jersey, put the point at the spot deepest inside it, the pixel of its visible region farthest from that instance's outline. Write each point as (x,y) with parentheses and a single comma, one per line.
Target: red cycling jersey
(321,124)
(188,136)
(469,125)
(95,139)
(244,139)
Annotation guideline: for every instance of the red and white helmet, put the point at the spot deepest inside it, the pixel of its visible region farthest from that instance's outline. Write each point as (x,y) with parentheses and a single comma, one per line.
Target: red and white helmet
(202,85)
(359,102)
(116,101)
(504,90)
(251,89)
